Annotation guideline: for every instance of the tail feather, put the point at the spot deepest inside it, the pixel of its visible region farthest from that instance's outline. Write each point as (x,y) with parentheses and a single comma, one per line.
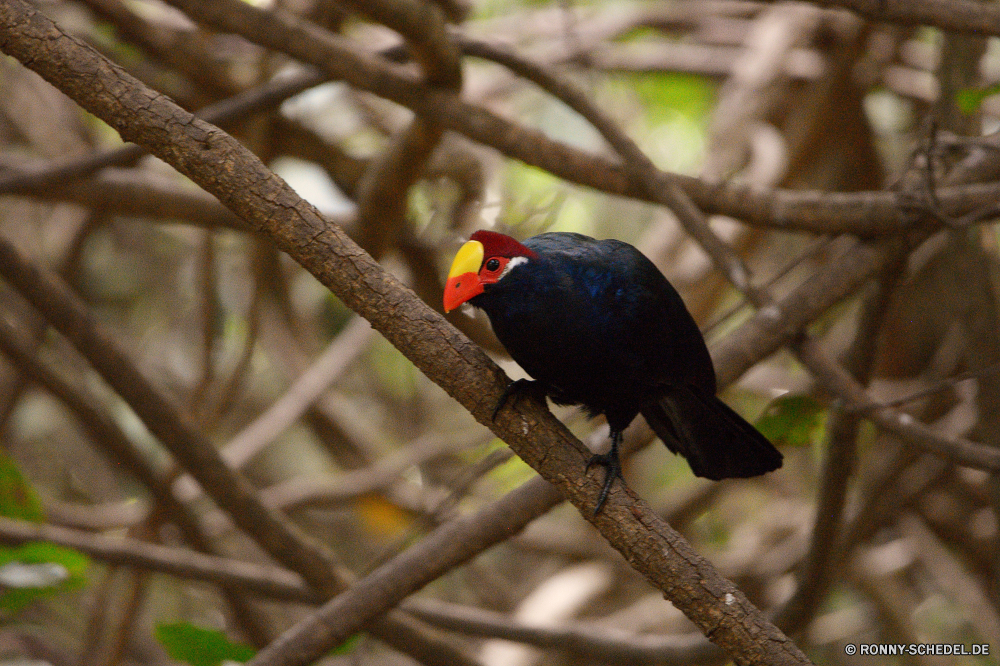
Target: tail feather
(717,442)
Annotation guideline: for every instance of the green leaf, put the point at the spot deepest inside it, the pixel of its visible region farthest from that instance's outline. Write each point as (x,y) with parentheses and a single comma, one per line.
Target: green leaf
(38,569)
(17,498)
(793,420)
(193,645)
(970,99)
(346,647)
(689,94)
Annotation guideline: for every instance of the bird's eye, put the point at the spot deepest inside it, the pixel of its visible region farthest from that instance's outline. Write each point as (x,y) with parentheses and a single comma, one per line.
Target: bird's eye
(493,264)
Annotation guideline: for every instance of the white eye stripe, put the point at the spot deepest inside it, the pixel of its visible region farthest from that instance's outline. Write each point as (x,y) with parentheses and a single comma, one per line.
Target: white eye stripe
(516,261)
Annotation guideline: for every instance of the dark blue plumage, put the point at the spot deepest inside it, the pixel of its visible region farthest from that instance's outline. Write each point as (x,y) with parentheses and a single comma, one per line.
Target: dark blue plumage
(595,323)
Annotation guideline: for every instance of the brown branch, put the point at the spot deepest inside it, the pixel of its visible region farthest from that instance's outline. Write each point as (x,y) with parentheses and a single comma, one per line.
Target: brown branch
(816,571)
(442,550)
(234,175)
(327,489)
(304,391)
(179,50)
(106,434)
(69,315)
(137,193)
(298,141)
(208,312)
(964,16)
(112,616)
(272,582)
(491,524)
(339,58)
(382,191)
(838,381)
(778,323)
(281,538)
(381,194)
(103,431)
(447,547)
(589,642)
(30,179)
(951,575)
(864,213)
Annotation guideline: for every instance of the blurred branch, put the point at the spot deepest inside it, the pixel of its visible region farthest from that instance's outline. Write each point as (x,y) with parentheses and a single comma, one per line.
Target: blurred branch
(263,200)
(838,381)
(908,474)
(69,315)
(268,581)
(382,191)
(965,16)
(861,213)
(179,50)
(894,601)
(298,141)
(206,263)
(104,432)
(107,435)
(582,641)
(113,616)
(326,369)
(816,572)
(950,574)
(230,490)
(445,548)
(139,193)
(323,489)
(865,213)
(34,178)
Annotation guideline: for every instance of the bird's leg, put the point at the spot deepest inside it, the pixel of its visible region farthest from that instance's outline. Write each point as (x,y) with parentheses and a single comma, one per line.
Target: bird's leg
(613,466)
(515,389)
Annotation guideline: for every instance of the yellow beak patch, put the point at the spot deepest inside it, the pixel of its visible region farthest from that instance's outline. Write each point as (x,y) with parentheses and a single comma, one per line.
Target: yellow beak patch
(463,277)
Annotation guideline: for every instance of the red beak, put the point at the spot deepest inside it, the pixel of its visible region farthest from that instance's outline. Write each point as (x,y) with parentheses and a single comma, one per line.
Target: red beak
(460,288)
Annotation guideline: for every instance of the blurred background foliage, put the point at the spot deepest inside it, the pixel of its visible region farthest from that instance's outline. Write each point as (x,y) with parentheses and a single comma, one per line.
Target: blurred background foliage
(225,325)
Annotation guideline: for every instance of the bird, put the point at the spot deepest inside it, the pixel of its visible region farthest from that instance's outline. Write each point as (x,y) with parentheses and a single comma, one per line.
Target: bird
(596,324)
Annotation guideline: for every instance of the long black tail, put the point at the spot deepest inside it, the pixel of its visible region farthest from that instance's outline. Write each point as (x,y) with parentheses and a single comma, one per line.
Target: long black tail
(716,441)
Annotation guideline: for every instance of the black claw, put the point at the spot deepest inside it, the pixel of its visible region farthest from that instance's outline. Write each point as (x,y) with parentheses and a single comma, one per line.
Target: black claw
(613,466)
(515,389)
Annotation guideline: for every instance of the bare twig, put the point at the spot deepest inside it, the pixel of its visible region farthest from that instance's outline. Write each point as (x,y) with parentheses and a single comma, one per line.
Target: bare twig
(965,16)
(868,213)
(69,315)
(582,641)
(269,581)
(325,370)
(382,190)
(952,576)
(139,193)
(816,571)
(448,546)
(57,172)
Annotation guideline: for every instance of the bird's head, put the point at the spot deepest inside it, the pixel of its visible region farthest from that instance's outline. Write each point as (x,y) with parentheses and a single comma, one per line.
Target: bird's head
(484,260)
